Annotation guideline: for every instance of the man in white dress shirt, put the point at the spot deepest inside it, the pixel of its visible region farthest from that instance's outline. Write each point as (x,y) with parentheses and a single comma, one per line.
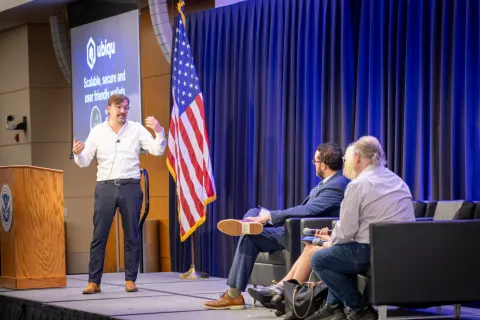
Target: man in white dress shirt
(116,144)
(374,195)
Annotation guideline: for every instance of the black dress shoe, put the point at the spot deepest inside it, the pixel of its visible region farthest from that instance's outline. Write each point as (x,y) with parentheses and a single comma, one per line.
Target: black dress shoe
(327,312)
(367,314)
(278,303)
(279,313)
(265,294)
(275,289)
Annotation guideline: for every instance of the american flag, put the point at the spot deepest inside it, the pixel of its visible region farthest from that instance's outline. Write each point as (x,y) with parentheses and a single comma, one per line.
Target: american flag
(188,148)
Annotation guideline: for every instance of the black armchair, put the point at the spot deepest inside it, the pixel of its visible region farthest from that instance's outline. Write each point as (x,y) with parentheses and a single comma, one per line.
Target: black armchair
(423,264)
(476,213)
(273,266)
(433,241)
(420,209)
(444,210)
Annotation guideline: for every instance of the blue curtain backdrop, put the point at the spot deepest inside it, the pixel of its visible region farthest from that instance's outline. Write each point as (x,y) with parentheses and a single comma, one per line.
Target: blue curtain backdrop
(280,77)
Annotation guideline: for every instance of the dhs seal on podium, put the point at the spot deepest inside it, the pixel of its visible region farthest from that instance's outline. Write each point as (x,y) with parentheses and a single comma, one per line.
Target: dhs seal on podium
(7,208)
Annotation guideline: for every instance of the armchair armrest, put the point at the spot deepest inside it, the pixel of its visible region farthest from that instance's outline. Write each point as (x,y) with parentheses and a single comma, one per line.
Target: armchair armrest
(293,245)
(317,223)
(424,219)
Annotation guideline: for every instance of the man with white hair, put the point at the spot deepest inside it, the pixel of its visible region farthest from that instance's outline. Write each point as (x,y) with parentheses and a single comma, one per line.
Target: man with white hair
(374,195)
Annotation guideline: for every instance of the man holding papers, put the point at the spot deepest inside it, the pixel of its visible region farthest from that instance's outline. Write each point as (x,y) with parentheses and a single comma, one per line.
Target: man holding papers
(323,201)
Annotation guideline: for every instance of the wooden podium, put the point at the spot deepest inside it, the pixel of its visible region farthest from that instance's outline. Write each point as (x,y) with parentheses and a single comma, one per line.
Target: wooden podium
(33,248)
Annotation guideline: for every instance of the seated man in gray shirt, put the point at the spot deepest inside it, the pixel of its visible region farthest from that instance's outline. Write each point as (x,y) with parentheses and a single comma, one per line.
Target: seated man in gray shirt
(374,195)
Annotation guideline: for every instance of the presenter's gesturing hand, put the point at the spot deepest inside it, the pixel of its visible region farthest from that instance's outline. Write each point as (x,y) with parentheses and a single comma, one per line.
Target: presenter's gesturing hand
(78,146)
(153,124)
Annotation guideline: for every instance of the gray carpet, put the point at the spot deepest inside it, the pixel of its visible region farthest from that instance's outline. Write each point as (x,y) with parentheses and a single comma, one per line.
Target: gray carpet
(163,296)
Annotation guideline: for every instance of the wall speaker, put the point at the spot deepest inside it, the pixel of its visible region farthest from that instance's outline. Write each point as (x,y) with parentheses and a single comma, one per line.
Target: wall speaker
(161,26)
(61,46)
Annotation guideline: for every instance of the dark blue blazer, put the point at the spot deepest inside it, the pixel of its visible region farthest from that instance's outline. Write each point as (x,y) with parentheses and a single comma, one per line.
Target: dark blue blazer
(324,202)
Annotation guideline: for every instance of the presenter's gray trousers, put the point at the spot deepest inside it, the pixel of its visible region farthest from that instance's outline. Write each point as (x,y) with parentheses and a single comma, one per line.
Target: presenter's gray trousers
(126,195)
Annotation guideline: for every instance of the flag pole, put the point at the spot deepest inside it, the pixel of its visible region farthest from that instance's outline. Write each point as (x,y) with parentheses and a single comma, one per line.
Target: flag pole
(192,273)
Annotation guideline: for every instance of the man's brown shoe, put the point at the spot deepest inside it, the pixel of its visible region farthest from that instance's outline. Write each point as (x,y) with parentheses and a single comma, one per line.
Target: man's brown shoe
(92,288)
(225,302)
(130,286)
(234,227)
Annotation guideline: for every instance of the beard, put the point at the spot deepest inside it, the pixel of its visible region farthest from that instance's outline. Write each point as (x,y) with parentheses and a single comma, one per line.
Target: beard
(320,174)
(121,119)
(348,170)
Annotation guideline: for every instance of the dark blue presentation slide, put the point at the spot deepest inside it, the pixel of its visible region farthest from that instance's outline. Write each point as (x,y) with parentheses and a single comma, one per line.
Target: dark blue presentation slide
(105,60)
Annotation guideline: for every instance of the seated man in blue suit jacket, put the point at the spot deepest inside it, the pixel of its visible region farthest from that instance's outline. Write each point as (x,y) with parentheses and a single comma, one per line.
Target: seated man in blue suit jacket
(323,201)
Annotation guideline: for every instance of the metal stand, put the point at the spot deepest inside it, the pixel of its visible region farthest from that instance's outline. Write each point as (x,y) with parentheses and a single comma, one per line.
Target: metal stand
(457,309)
(382,312)
(192,273)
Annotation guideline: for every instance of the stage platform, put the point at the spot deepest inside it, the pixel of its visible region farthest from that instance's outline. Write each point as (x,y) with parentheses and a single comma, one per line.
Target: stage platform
(160,296)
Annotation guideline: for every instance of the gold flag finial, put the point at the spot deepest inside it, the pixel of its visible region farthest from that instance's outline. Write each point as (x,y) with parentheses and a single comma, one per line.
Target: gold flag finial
(180,5)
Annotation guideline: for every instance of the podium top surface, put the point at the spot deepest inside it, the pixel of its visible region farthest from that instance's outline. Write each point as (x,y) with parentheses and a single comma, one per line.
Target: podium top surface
(30,167)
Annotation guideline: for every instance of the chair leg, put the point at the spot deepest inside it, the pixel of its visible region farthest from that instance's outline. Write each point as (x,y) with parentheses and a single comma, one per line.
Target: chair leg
(253,300)
(439,309)
(382,312)
(457,310)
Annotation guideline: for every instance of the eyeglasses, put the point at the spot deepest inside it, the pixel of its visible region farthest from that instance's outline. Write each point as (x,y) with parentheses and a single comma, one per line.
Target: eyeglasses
(315,161)
(124,108)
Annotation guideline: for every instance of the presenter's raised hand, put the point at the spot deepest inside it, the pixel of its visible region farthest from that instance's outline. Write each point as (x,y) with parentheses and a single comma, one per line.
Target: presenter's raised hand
(78,146)
(153,124)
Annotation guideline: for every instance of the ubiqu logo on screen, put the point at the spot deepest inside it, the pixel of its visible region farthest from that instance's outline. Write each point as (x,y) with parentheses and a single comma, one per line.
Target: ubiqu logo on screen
(93,51)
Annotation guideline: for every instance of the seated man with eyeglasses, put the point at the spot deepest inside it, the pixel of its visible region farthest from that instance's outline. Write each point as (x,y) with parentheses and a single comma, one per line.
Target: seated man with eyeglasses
(323,201)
